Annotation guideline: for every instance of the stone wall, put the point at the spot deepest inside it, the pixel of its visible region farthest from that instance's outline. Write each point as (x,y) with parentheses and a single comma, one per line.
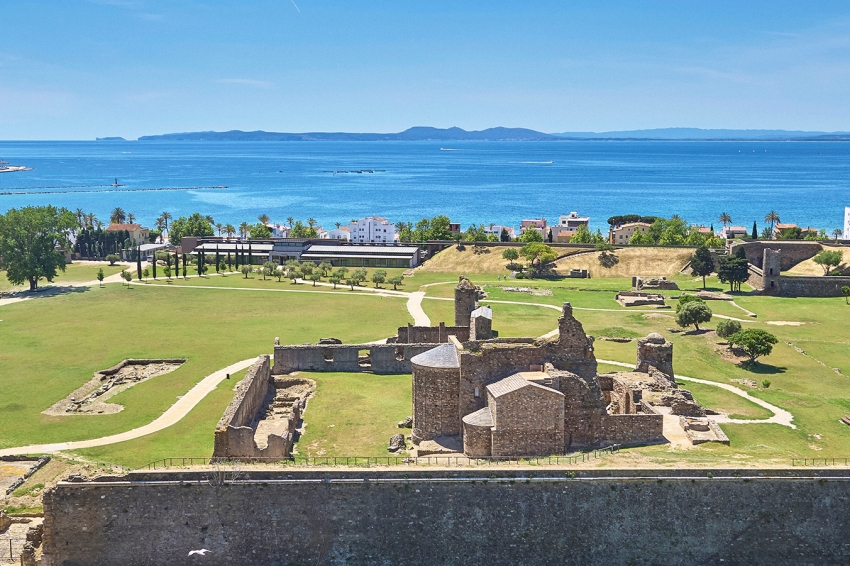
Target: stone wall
(444,518)
(383,358)
(466,296)
(792,252)
(631,429)
(435,394)
(827,286)
(654,351)
(528,421)
(233,434)
(431,334)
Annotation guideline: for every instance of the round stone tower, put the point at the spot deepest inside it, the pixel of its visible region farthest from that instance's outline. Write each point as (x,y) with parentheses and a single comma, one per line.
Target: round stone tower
(436,393)
(655,351)
(465,301)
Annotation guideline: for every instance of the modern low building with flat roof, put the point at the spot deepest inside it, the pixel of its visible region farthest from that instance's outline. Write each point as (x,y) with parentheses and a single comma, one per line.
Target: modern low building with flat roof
(364,256)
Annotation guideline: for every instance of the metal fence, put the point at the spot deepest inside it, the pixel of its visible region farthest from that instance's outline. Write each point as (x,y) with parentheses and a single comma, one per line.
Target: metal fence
(371,461)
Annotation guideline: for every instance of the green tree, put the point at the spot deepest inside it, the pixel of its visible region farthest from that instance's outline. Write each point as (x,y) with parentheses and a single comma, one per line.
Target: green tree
(504,236)
(117,216)
(582,236)
(755,234)
(725,219)
(396,281)
(360,275)
(754,342)
(828,260)
(100,276)
(268,269)
(314,277)
(701,263)
(307,268)
(146,272)
(772,218)
(440,228)
(379,277)
(259,232)
(538,252)
(726,328)
(127,276)
(194,225)
(845,290)
(351,283)
(641,239)
(341,272)
(32,243)
(693,313)
(335,280)
(167,271)
(531,235)
(325,268)
(733,270)
(245,271)
(685,299)
(510,254)
(112,258)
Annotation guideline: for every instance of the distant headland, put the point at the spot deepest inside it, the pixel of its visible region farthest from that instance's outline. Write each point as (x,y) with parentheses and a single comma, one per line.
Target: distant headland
(422,133)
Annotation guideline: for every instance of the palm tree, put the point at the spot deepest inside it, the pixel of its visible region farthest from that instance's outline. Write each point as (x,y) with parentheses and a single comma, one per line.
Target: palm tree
(131,218)
(311,222)
(837,233)
(264,219)
(218,227)
(773,218)
(243,230)
(118,216)
(166,216)
(337,224)
(90,219)
(290,221)
(209,219)
(80,215)
(229,230)
(98,224)
(159,224)
(725,219)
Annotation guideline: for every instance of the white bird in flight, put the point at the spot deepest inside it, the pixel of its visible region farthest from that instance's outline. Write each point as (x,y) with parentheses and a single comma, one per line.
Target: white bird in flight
(202,552)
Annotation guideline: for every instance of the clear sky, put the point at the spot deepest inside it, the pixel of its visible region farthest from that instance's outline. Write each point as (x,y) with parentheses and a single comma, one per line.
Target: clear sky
(76,69)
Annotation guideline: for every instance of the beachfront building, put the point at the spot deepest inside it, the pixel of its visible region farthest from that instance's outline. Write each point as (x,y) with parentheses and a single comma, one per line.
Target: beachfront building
(363,255)
(562,234)
(279,230)
(497,230)
(847,223)
(341,233)
(138,234)
(731,232)
(778,229)
(573,220)
(372,229)
(538,224)
(622,234)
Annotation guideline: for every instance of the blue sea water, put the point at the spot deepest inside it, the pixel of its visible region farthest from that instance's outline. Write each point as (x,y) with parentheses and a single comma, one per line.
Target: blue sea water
(471,182)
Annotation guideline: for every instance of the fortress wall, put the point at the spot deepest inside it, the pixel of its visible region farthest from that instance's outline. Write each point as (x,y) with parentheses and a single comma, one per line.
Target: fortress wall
(385,358)
(676,517)
(431,334)
(812,286)
(631,429)
(792,252)
(233,430)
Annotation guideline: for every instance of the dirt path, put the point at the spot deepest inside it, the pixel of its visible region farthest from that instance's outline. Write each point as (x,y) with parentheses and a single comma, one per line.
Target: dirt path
(172,416)
(780,416)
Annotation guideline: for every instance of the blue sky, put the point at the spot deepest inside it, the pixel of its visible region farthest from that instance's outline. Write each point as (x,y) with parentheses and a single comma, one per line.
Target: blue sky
(79,69)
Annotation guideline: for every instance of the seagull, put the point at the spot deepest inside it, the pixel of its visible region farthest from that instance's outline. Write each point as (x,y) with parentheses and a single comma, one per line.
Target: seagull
(202,552)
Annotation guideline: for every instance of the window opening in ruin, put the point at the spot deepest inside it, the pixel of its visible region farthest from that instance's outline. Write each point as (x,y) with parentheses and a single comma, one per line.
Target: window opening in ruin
(771,283)
(328,354)
(477,392)
(364,359)
(399,353)
(771,271)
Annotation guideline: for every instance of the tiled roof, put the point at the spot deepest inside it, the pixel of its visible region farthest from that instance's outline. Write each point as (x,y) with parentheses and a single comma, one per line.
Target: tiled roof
(507,385)
(443,356)
(481,417)
(121,227)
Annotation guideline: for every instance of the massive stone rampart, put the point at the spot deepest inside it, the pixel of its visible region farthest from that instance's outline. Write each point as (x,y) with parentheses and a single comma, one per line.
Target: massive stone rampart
(532,517)
(792,252)
(381,358)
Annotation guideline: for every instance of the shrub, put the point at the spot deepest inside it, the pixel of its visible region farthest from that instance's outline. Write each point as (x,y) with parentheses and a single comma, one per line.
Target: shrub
(765,383)
(112,258)
(693,313)
(685,299)
(726,328)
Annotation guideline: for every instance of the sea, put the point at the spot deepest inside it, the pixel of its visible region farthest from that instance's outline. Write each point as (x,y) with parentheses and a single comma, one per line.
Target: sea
(470,182)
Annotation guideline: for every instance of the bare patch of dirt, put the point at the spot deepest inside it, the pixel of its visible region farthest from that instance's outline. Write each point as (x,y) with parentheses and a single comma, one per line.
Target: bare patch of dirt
(90,399)
(785,323)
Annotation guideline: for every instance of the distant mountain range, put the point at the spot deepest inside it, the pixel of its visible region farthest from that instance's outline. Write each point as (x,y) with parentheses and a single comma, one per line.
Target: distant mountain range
(505,134)
(411,134)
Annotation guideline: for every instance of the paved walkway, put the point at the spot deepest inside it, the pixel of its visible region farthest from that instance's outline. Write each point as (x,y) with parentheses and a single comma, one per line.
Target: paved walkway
(172,416)
(414,307)
(780,416)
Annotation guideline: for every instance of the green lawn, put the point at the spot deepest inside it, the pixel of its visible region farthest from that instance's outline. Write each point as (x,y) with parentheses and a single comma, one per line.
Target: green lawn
(52,345)
(74,273)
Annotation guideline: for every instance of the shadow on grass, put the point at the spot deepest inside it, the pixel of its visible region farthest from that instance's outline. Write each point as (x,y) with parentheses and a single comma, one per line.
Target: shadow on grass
(45,292)
(761,369)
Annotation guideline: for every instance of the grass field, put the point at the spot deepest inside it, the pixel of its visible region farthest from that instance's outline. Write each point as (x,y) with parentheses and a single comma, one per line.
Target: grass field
(74,273)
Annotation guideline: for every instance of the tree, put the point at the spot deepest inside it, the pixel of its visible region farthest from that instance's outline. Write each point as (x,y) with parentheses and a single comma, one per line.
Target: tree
(268,269)
(504,236)
(725,219)
(341,272)
(396,281)
(837,233)
(538,252)
(702,264)
(146,272)
(582,236)
(263,219)
(243,230)
(510,254)
(167,271)
(351,283)
(229,230)
(117,216)
(359,275)
(194,225)
(112,258)
(245,271)
(754,342)
(32,243)
(100,275)
(184,266)
(640,239)
(693,313)
(315,276)
(845,290)
(307,268)
(772,218)
(325,268)
(259,232)
(726,328)
(755,234)
(379,277)
(685,299)
(335,280)
(531,235)
(166,216)
(279,272)
(289,220)
(733,270)
(828,260)
(127,276)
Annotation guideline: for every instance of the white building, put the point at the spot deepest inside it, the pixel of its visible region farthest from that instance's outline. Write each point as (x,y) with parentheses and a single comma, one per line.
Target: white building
(372,229)
(341,233)
(847,223)
(497,230)
(573,220)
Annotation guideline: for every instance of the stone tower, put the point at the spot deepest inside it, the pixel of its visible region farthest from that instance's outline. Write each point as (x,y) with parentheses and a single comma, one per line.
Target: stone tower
(481,324)
(436,387)
(771,266)
(654,351)
(465,301)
